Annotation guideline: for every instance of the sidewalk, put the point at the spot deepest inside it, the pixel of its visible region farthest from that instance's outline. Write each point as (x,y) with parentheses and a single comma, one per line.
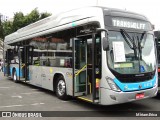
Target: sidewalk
(1,75)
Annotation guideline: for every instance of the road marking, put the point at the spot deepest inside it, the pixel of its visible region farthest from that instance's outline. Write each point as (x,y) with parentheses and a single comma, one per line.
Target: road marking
(18,96)
(20,105)
(37,104)
(64,101)
(67,101)
(30,93)
(11,106)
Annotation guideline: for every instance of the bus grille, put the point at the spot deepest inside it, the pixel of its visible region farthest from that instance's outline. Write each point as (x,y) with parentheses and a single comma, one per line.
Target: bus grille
(135,79)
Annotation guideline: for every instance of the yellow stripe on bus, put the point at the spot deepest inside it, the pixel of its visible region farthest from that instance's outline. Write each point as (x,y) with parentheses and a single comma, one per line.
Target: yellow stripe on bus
(85,99)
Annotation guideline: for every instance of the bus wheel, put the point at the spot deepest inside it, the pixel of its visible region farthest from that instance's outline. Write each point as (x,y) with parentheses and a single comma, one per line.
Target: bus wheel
(61,88)
(15,76)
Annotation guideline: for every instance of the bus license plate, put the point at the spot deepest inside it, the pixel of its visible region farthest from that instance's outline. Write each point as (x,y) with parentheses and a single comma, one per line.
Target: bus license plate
(139,95)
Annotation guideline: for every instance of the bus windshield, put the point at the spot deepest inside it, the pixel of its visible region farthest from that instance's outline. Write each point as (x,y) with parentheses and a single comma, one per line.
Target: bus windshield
(131,53)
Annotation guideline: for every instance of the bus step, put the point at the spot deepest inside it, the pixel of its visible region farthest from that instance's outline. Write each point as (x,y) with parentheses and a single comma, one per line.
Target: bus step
(23,79)
(26,81)
(85,99)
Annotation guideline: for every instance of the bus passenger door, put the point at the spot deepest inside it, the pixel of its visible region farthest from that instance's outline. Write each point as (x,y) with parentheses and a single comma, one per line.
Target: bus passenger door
(79,67)
(26,56)
(8,58)
(28,60)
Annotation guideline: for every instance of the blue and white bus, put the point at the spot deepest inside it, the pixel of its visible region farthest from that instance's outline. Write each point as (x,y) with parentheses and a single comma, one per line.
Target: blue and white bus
(101,55)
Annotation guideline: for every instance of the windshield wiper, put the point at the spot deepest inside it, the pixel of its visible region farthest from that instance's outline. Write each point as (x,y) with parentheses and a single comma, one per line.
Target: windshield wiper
(140,45)
(129,41)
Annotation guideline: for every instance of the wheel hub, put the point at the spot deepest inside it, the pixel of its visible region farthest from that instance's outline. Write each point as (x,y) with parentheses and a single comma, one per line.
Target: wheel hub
(61,87)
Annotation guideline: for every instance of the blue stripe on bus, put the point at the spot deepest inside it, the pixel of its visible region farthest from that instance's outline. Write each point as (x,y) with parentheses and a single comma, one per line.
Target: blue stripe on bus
(11,70)
(126,87)
(17,71)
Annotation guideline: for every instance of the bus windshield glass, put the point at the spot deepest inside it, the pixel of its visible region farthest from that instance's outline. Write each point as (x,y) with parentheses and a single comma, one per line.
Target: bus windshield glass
(131,53)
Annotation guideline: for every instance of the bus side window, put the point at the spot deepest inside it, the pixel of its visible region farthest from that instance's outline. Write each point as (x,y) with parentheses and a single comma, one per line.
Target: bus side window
(37,62)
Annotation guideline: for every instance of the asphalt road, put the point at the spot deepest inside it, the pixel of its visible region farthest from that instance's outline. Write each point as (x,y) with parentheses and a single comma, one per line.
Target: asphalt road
(24,97)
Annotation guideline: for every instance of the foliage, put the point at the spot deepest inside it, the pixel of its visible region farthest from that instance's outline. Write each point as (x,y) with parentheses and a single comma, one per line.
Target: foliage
(7,27)
(44,15)
(1,30)
(32,17)
(20,20)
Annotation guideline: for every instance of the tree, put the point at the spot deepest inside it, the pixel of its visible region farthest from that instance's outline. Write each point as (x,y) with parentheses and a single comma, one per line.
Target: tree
(1,29)
(20,20)
(7,27)
(32,17)
(44,15)
(1,34)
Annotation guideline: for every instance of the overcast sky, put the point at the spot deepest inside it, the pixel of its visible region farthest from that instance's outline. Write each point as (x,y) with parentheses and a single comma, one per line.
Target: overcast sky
(149,8)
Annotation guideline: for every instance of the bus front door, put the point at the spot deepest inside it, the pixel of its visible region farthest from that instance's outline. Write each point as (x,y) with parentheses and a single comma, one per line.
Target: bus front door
(79,67)
(87,67)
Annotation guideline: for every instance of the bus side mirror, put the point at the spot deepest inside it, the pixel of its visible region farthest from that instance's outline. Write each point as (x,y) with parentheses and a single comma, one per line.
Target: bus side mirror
(105,44)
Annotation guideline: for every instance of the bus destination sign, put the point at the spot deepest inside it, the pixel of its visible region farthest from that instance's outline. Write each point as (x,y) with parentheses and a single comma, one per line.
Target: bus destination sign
(128,23)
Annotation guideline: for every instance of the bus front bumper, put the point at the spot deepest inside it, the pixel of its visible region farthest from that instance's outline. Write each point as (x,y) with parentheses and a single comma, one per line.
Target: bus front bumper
(109,97)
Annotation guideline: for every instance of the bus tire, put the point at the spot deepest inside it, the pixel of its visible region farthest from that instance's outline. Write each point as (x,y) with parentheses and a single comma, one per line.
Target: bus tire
(61,88)
(15,76)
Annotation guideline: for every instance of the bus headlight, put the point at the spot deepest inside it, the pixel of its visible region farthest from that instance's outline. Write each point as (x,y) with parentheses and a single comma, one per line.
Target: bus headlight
(112,85)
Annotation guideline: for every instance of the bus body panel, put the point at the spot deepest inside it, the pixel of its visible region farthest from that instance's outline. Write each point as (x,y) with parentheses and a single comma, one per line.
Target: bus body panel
(42,76)
(121,97)
(16,67)
(54,23)
(109,97)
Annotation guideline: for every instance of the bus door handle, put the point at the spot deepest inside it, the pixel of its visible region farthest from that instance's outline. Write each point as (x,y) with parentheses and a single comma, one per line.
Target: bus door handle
(82,69)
